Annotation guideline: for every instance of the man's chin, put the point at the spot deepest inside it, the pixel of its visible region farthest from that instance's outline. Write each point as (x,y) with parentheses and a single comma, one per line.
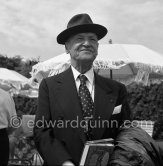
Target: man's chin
(87,60)
(87,55)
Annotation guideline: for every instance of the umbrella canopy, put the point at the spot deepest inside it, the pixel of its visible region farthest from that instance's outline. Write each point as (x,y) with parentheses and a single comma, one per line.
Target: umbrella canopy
(11,79)
(124,61)
(131,53)
(141,63)
(16,83)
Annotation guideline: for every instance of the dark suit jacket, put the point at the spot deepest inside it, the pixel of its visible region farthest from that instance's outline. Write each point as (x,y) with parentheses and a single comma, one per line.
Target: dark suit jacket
(59,104)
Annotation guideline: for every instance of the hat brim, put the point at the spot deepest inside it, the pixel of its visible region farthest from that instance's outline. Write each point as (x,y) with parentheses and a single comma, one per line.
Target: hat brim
(99,30)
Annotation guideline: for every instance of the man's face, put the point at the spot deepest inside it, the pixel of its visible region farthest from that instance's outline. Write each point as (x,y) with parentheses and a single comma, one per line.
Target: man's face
(83,47)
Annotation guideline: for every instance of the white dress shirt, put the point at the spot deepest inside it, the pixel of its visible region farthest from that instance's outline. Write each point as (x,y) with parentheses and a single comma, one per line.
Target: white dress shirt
(90,82)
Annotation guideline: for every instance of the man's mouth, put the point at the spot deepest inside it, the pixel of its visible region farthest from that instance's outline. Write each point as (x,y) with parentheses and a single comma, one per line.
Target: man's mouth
(86,50)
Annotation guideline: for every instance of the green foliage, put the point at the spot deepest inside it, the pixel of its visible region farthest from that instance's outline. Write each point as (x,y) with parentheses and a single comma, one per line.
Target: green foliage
(158,129)
(146,103)
(25,106)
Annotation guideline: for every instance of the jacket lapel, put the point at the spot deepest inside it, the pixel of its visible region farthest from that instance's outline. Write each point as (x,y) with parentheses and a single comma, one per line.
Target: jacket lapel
(68,98)
(104,104)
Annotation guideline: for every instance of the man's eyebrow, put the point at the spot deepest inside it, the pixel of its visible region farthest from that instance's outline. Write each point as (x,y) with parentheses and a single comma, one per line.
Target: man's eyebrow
(79,35)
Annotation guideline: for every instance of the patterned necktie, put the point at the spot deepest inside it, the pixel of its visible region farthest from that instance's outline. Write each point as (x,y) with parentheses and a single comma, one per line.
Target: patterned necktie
(87,105)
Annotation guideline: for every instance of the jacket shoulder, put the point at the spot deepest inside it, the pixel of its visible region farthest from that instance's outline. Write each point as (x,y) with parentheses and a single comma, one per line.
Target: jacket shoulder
(55,78)
(109,82)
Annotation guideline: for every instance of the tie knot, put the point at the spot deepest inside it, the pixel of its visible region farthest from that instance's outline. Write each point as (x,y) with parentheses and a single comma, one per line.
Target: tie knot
(82,79)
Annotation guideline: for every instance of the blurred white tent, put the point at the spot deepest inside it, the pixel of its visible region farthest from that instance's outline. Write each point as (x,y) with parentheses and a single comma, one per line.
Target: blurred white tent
(124,62)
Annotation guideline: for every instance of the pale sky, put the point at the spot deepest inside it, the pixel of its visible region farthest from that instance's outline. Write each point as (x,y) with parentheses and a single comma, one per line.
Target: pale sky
(29,27)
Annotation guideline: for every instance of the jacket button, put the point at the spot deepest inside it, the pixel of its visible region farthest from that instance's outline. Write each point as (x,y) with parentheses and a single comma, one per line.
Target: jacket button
(111,100)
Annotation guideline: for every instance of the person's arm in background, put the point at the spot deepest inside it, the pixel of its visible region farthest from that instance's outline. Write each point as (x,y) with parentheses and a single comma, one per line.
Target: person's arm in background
(13,116)
(9,112)
(51,149)
(8,117)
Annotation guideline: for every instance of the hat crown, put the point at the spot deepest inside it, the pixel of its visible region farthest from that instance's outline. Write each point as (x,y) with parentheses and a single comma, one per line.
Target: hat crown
(81,23)
(79,19)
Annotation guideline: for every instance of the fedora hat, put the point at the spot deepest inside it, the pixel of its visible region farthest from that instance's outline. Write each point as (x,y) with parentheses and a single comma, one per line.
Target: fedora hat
(79,24)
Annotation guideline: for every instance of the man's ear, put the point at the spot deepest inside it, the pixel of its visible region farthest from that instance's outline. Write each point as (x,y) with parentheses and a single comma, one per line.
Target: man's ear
(66,48)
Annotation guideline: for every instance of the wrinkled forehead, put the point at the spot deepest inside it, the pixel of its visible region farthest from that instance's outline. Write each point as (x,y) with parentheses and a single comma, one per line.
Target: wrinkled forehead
(85,34)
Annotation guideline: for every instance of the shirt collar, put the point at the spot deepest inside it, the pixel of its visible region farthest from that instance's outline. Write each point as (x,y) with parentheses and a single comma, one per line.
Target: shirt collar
(89,74)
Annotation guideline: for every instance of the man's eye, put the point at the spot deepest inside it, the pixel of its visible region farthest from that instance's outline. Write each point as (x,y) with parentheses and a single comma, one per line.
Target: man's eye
(79,38)
(93,39)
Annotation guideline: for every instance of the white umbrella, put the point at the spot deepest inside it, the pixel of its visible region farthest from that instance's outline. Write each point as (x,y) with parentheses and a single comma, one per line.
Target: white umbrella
(140,62)
(11,78)
(123,60)
(50,67)
(16,83)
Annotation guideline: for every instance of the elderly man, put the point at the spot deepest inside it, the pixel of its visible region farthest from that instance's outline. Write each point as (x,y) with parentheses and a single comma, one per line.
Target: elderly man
(7,112)
(73,104)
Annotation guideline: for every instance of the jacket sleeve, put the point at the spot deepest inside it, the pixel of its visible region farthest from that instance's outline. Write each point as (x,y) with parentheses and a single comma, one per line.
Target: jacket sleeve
(51,149)
(126,114)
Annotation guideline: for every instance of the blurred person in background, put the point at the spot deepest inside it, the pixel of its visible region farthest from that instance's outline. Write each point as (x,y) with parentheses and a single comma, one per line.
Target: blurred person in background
(7,112)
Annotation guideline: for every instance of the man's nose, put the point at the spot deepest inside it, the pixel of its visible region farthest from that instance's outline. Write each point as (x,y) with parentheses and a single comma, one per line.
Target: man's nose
(86,42)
